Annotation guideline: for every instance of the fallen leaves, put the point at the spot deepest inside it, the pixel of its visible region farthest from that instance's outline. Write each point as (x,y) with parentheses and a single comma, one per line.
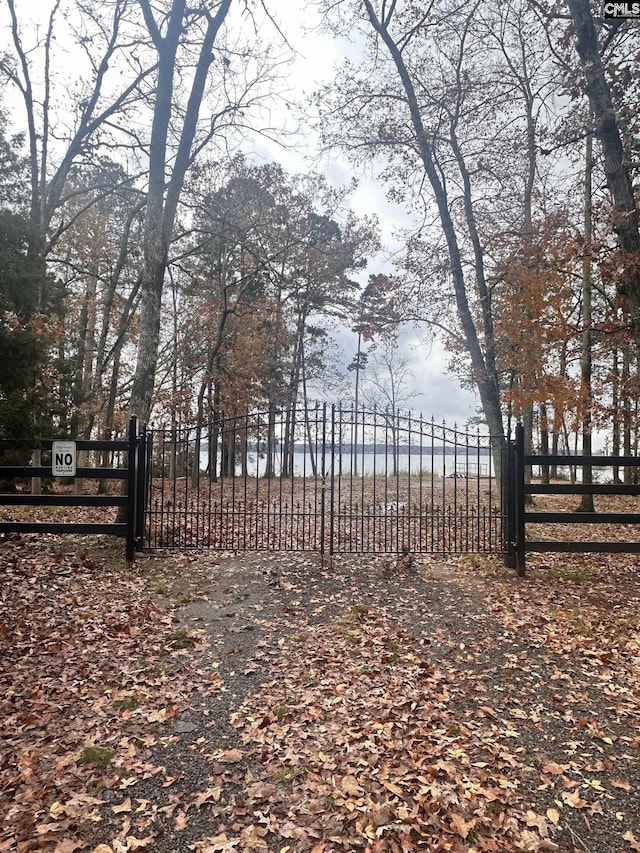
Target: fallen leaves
(84,677)
(634,844)
(553,815)
(365,735)
(372,755)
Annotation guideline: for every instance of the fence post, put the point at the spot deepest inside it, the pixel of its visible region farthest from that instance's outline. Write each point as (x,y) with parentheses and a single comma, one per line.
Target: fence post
(509,503)
(141,484)
(520,501)
(131,489)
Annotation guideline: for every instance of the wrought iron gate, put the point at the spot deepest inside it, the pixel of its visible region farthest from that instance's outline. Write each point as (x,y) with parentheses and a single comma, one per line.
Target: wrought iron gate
(327,479)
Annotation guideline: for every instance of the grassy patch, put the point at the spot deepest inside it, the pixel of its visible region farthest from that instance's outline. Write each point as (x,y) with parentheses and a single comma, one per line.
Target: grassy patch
(180,639)
(623,628)
(583,628)
(288,774)
(480,563)
(127,703)
(328,803)
(99,755)
(564,573)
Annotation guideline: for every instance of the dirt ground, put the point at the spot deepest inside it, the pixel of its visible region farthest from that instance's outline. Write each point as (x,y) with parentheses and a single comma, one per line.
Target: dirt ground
(366,704)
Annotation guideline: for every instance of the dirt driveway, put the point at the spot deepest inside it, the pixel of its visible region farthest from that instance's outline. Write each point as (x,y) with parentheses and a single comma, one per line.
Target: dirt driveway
(513,722)
(369,705)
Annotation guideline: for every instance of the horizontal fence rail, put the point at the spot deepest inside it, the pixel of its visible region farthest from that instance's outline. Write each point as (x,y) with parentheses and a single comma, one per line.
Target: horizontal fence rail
(118,461)
(323,478)
(520,544)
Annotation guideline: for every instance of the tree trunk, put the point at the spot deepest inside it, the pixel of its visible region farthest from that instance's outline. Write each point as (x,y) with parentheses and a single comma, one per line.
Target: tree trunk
(270,468)
(294,382)
(544,442)
(483,365)
(586,503)
(615,413)
(616,164)
(311,443)
(626,411)
(163,198)
(527,424)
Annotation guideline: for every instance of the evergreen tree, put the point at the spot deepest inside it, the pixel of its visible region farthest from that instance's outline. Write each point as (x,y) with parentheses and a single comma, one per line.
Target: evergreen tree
(25,335)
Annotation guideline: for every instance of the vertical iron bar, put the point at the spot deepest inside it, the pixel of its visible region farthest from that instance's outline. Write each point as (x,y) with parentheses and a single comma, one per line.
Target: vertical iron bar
(431,520)
(148,489)
(245,479)
(455,487)
(520,502)
(332,491)
(508,509)
(186,477)
(323,474)
(233,448)
(141,490)
(306,437)
(257,476)
(408,539)
(396,451)
(444,485)
(386,479)
(479,491)
(362,482)
(294,536)
(314,469)
(468,538)
(131,489)
(353,467)
(420,483)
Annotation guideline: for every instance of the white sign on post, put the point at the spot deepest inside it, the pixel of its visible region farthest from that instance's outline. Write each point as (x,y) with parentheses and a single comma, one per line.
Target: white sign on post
(63,459)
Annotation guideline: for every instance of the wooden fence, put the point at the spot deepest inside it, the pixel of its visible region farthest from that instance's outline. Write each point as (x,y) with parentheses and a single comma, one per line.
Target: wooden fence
(127,466)
(520,516)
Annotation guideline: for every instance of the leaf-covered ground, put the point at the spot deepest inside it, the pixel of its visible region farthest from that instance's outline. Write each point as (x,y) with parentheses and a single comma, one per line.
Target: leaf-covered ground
(267,702)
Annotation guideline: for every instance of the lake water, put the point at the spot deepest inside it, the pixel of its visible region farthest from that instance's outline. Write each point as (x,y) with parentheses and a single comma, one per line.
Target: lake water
(377,463)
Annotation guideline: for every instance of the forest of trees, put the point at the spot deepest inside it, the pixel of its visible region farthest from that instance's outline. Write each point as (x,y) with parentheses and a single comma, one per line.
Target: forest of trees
(150,265)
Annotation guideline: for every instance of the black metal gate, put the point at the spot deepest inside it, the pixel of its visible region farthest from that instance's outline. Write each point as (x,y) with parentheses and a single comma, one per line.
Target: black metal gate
(327,479)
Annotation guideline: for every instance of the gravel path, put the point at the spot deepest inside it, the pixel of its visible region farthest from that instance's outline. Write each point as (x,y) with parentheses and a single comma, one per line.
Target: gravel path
(572,730)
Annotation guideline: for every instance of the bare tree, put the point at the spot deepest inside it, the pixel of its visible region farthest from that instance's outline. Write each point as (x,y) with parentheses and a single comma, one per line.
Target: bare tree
(386,389)
(411,105)
(167,169)
(608,129)
(99,94)
(190,109)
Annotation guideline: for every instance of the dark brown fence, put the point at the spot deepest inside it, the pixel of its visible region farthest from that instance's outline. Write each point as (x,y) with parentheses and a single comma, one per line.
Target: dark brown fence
(520,516)
(119,461)
(324,478)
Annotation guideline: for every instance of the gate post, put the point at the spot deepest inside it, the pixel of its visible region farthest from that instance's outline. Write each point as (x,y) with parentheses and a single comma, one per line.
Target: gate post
(519,501)
(141,487)
(131,488)
(509,503)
